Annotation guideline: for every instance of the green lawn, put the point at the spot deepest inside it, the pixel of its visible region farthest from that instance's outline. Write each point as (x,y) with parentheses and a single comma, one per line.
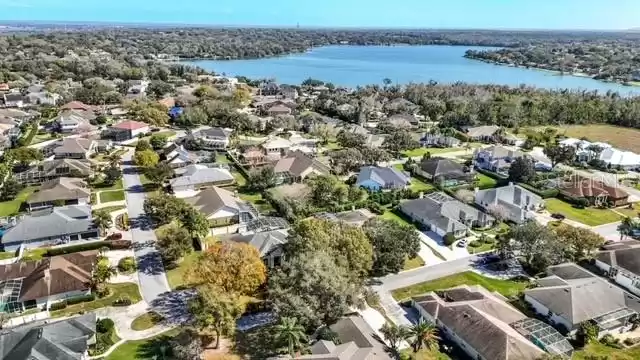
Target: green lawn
(111,209)
(102,187)
(118,291)
(393,215)
(597,350)
(632,213)
(175,275)
(421,151)
(333,145)
(12,207)
(258,201)
(486,182)
(587,216)
(7,255)
(416,262)
(38,138)
(240,179)
(146,321)
(109,196)
(424,354)
(481,248)
(419,185)
(504,287)
(222,158)
(145,349)
(34,254)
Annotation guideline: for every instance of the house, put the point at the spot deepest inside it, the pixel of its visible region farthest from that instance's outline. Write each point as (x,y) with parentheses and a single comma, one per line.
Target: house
(76,105)
(377,178)
(485,326)
(297,166)
(487,133)
(50,280)
(621,262)
(269,89)
(571,295)
(53,169)
(197,177)
(128,130)
(67,339)
(74,148)
(74,121)
(275,147)
(495,158)
(289,92)
(268,243)
(178,157)
(42,97)
(278,110)
(444,215)
(443,171)
(437,140)
(514,202)
(253,156)
(138,88)
(596,192)
(618,158)
(60,192)
(214,138)
(175,112)
(402,121)
(13,100)
(4,87)
(222,207)
(356,340)
(52,226)
(356,217)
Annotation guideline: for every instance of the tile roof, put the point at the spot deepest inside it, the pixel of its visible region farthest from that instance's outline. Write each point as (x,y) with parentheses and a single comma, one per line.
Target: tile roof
(60,189)
(585,187)
(76,105)
(73,146)
(130,125)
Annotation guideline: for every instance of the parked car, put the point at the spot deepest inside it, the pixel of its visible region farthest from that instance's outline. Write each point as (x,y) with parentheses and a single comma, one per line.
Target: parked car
(558,216)
(462,243)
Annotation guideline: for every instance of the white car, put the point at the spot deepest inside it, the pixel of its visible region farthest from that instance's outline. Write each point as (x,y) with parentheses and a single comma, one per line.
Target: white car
(462,243)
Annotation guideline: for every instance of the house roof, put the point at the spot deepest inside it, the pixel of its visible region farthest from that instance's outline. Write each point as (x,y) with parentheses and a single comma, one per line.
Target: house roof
(577,296)
(130,125)
(383,176)
(618,157)
(482,320)
(49,168)
(478,131)
(265,242)
(351,217)
(76,105)
(498,151)
(46,340)
(508,195)
(279,108)
(13,97)
(402,120)
(625,258)
(437,166)
(585,187)
(211,200)
(442,211)
(216,132)
(60,189)
(50,223)
(297,163)
(71,145)
(200,174)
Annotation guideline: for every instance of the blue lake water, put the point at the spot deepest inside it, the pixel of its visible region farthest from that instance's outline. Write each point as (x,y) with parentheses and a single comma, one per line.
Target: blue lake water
(360,65)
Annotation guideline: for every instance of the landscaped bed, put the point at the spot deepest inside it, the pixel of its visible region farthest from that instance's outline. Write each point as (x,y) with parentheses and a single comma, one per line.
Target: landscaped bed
(587,216)
(117,291)
(504,287)
(146,321)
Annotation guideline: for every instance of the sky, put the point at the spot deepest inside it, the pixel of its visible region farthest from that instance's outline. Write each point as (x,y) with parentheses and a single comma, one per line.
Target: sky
(486,14)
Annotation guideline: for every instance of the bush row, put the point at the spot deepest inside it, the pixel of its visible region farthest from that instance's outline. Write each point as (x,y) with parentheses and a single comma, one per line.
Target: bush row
(545,194)
(112,245)
(72,301)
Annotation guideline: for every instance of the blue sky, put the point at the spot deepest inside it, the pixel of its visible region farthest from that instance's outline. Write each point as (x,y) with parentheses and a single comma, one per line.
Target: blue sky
(505,14)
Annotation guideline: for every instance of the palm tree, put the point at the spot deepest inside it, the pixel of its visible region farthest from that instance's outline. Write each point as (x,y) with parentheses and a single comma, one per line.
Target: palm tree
(424,334)
(102,220)
(290,332)
(394,334)
(114,159)
(625,227)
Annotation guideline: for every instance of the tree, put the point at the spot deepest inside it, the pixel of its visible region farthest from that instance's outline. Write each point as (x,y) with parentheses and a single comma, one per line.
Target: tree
(194,222)
(215,311)
(587,332)
(158,141)
(347,245)
(187,345)
(102,272)
(399,141)
(111,175)
(522,170)
(373,156)
(174,243)
(163,208)
(465,196)
(157,89)
(143,145)
(10,189)
(290,333)
(538,245)
(146,158)
(114,159)
(392,244)
(230,266)
(626,225)
(25,155)
(345,160)
(498,211)
(312,289)
(102,220)
(559,154)
(159,174)
(327,191)
(262,179)
(394,335)
(580,241)
(349,139)
(424,334)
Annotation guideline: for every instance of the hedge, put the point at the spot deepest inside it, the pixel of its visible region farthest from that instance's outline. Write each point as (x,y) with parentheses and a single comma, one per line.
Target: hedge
(545,194)
(113,245)
(58,306)
(81,299)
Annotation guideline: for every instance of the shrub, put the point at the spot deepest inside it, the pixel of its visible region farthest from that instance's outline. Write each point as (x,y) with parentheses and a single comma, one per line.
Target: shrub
(118,244)
(114,236)
(80,299)
(475,244)
(449,239)
(104,325)
(123,301)
(127,265)
(58,306)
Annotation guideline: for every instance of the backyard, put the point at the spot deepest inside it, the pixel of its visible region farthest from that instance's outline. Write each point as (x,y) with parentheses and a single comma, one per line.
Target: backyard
(12,207)
(110,196)
(620,137)
(118,291)
(419,185)
(587,216)
(263,206)
(175,275)
(485,182)
(433,151)
(145,349)
(395,215)
(597,350)
(504,287)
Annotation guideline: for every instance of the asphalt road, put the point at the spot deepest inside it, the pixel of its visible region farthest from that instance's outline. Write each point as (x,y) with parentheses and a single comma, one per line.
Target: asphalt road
(151,273)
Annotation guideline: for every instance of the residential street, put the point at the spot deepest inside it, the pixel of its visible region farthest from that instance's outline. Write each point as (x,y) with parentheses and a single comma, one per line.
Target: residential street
(153,280)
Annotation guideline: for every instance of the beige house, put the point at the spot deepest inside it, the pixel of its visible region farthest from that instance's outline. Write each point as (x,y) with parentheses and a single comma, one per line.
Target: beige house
(59,192)
(297,166)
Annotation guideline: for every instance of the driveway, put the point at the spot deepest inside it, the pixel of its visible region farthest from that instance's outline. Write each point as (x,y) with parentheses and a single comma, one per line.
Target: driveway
(436,243)
(153,280)
(608,231)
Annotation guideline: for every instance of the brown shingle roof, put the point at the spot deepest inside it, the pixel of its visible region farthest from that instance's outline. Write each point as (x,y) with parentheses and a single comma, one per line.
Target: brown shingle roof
(60,189)
(584,187)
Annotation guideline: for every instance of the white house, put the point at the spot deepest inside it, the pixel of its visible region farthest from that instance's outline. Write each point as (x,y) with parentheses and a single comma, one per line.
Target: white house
(214,138)
(197,177)
(275,147)
(621,262)
(515,203)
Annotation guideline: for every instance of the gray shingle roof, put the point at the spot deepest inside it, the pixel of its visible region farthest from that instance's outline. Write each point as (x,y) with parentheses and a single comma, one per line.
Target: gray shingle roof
(210,200)
(628,259)
(73,146)
(478,131)
(51,223)
(199,174)
(437,166)
(60,189)
(265,242)
(386,177)
(61,340)
(297,163)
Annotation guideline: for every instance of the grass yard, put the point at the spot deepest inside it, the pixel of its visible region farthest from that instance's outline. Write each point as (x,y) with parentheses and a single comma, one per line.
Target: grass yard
(632,213)
(394,215)
(38,138)
(118,291)
(221,158)
(110,196)
(7,255)
(175,275)
(601,351)
(263,206)
(419,185)
(481,248)
(424,354)
(240,179)
(504,287)
(145,349)
(416,262)
(12,207)
(587,216)
(433,151)
(102,187)
(146,321)
(34,254)
(486,182)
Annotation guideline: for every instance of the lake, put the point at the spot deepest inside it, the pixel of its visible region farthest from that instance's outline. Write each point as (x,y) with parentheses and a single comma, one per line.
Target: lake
(360,65)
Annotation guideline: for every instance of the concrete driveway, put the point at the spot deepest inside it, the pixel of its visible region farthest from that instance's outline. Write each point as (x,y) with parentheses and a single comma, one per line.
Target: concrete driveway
(608,231)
